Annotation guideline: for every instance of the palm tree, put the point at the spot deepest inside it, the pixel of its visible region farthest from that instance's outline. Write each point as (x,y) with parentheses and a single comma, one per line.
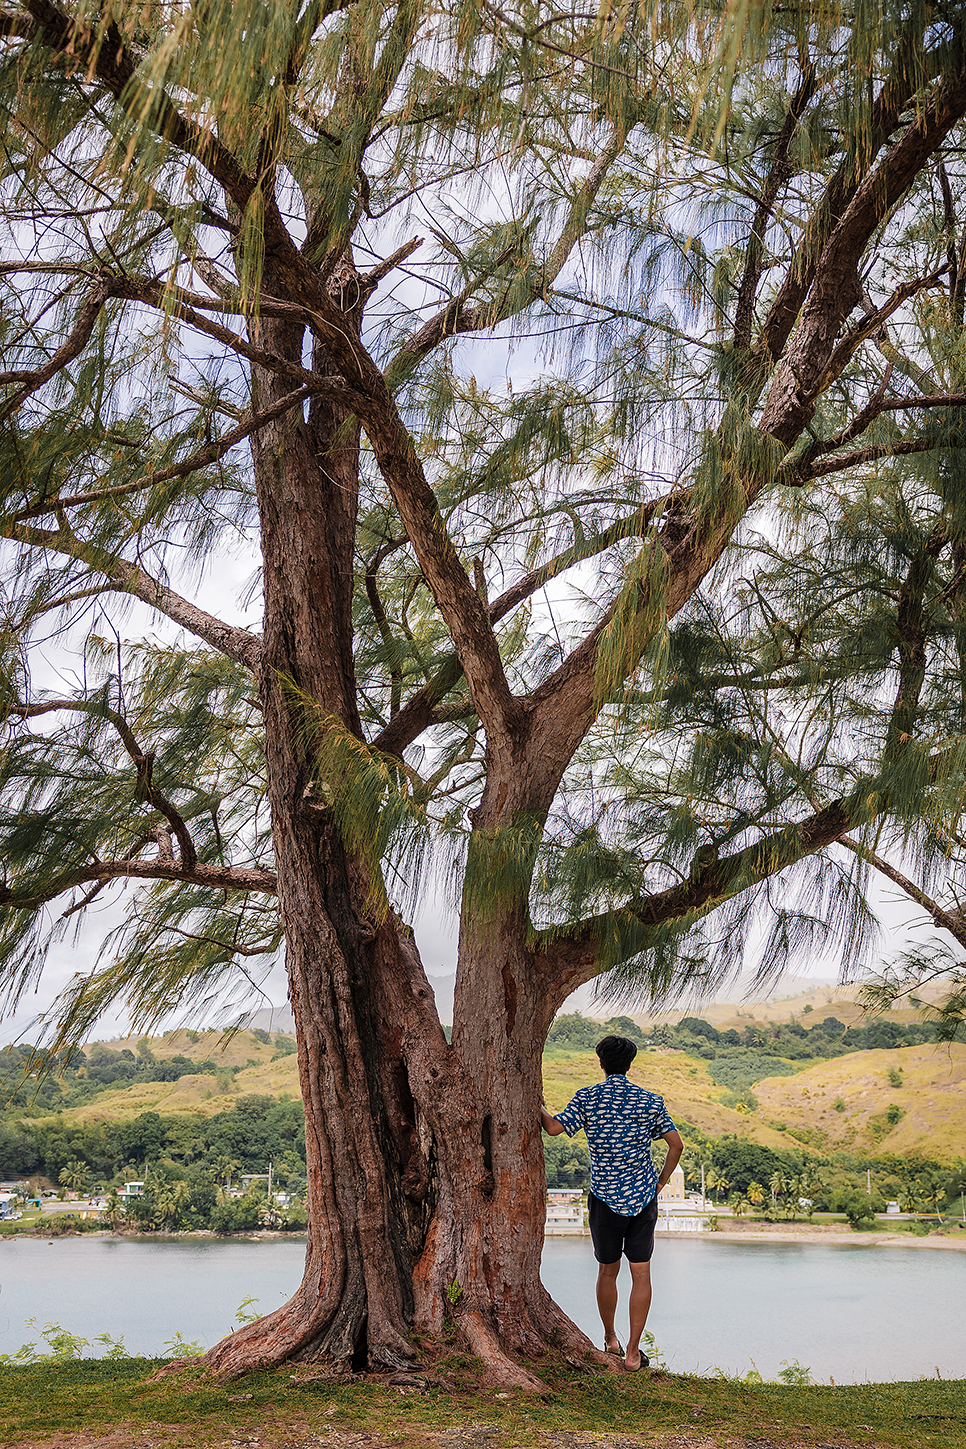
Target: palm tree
(779,1186)
(114,1210)
(74,1175)
(223,1169)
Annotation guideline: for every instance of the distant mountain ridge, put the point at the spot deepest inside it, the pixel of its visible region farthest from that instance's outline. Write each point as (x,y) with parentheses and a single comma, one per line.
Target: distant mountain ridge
(791,996)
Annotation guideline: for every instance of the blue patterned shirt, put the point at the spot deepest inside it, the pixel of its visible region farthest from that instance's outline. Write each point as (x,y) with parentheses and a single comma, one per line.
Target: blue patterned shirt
(620,1120)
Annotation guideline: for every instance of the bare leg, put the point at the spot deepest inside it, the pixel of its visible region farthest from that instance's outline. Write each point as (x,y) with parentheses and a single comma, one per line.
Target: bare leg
(639,1305)
(607,1300)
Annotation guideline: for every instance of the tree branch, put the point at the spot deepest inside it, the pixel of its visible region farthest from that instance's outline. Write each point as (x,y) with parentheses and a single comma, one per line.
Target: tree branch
(417,713)
(902,448)
(201,458)
(886,114)
(780,173)
(128,578)
(573,952)
(212,877)
(77,339)
(459,317)
(951,921)
(806,368)
(105,55)
(143,762)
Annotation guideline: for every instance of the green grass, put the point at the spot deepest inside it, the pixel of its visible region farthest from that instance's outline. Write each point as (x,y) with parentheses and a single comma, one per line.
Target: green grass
(190,1411)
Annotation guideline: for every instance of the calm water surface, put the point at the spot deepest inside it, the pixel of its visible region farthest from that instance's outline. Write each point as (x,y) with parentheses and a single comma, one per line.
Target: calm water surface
(846,1313)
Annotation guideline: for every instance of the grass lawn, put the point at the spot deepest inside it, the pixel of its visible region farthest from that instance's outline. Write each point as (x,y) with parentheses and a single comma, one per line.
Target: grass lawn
(119,1401)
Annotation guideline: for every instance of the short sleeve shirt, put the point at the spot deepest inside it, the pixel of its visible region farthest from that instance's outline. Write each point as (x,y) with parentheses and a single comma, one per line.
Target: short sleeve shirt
(620,1120)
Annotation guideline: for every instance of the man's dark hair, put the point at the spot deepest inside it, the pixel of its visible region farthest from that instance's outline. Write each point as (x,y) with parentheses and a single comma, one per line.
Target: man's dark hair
(615,1053)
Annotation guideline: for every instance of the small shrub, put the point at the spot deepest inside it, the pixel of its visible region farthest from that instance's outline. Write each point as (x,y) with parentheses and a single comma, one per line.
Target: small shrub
(839,1104)
(179,1347)
(895,1114)
(652,1351)
(859,1211)
(894,1076)
(794,1375)
(113,1347)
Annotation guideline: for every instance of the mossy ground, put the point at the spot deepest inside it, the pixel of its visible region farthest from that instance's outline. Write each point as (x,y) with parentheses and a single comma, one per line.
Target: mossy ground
(105,1403)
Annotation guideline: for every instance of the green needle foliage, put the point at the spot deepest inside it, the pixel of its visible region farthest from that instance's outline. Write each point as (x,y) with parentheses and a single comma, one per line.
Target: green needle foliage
(668,301)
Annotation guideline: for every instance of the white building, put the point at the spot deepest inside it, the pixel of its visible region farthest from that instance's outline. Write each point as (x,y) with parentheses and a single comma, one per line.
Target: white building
(674,1191)
(565,1210)
(678,1212)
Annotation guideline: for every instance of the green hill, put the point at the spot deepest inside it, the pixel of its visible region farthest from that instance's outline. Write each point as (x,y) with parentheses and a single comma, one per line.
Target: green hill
(853,1102)
(191,1093)
(908,1100)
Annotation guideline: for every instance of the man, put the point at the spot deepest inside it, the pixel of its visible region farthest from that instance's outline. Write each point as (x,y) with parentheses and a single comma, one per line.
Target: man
(621,1120)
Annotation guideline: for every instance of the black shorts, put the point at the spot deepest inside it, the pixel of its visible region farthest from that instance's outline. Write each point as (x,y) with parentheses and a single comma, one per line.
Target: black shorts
(613,1234)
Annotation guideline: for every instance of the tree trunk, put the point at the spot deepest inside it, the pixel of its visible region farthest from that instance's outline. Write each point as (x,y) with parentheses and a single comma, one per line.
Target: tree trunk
(426,1198)
(426,1185)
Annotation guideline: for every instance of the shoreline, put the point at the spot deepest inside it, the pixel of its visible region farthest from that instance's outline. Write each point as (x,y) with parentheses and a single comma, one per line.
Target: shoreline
(838,1238)
(833,1236)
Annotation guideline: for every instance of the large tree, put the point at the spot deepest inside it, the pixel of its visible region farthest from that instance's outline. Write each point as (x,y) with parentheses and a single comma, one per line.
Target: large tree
(595,409)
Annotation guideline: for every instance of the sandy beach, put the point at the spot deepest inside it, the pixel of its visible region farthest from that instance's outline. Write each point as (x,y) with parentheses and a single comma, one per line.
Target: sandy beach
(954,1242)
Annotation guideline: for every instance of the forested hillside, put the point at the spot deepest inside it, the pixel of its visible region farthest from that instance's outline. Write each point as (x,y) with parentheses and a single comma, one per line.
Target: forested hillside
(772,1104)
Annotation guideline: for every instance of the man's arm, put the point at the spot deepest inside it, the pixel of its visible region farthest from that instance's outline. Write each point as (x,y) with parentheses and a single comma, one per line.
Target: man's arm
(551,1126)
(675,1146)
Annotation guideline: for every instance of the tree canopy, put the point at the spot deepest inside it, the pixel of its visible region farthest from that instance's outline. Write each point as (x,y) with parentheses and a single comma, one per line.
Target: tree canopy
(592,385)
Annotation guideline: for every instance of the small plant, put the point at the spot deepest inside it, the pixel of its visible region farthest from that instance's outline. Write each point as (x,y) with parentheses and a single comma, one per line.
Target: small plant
(64,1346)
(113,1347)
(751,1377)
(454,1293)
(179,1347)
(26,1353)
(894,1076)
(714,1223)
(894,1114)
(651,1350)
(794,1374)
(244,1312)
(839,1104)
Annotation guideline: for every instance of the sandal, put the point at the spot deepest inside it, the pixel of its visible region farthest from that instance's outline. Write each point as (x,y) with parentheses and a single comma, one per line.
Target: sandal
(644,1363)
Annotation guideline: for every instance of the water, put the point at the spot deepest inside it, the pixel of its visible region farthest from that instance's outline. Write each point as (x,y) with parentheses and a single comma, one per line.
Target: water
(142,1289)
(848,1313)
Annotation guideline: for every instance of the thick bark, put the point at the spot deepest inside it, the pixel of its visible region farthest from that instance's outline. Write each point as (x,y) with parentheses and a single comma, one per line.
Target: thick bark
(425,1166)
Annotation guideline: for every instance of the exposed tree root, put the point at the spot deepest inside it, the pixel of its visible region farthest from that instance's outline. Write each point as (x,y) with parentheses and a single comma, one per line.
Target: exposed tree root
(500,1369)
(295,1336)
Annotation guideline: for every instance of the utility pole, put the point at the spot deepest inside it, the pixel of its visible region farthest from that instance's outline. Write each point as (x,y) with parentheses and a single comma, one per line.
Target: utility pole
(704,1200)
(269,1180)
(868,1180)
